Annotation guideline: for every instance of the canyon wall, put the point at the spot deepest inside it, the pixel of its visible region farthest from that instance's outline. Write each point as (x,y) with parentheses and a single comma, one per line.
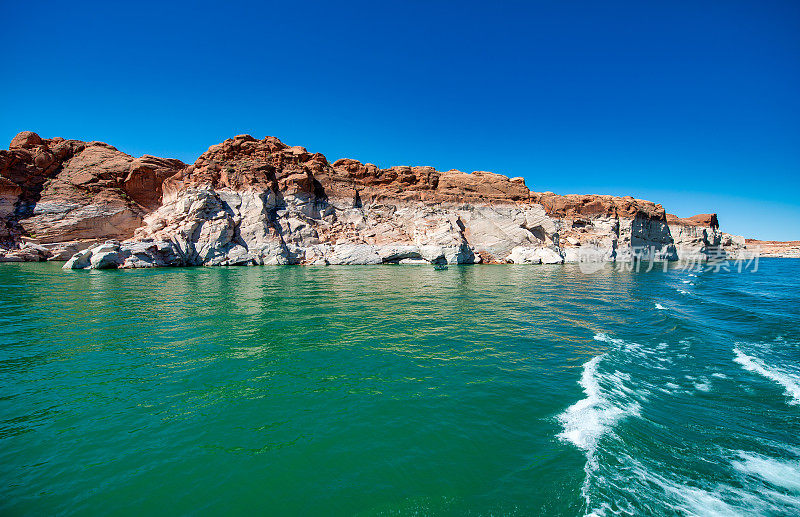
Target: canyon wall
(247,201)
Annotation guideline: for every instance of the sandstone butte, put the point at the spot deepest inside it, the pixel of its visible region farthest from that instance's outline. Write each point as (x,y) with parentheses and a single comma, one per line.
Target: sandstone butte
(248,202)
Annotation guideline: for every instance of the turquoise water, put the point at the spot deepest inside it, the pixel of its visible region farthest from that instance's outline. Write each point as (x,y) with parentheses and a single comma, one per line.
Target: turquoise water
(399,390)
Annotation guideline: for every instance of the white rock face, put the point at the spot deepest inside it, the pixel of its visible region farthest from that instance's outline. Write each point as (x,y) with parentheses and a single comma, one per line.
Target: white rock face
(105,256)
(60,251)
(71,220)
(206,227)
(524,255)
(350,254)
(112,254)
(79,260)
(704,243)
(615,239)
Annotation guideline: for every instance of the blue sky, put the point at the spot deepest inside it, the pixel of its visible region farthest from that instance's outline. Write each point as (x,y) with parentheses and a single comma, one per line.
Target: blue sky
(694,105)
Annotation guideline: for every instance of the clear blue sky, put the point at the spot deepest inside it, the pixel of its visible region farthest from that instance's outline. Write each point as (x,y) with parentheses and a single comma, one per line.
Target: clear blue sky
(695,105)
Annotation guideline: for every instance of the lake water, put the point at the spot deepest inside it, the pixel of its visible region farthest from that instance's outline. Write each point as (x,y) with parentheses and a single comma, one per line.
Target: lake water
(399,390)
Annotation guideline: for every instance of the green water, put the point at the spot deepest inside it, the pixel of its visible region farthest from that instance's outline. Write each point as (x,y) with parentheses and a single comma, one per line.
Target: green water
(399,390)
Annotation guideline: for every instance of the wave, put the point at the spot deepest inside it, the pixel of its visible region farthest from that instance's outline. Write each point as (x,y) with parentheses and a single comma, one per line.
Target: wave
(789,381)
(587,421)
(660,307)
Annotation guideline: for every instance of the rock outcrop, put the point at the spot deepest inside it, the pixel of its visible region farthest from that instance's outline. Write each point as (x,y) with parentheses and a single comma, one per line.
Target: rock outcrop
(699,235)
(67,194)
(249,201)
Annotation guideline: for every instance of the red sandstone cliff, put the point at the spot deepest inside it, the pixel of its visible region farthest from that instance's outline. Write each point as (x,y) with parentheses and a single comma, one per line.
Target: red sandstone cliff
(243,162)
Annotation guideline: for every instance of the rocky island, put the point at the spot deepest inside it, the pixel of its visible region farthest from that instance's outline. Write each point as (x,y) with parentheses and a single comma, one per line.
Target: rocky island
(262,202)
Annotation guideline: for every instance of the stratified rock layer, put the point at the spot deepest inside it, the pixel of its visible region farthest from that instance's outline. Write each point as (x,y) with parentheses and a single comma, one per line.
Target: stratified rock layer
(249,201)
(786,249)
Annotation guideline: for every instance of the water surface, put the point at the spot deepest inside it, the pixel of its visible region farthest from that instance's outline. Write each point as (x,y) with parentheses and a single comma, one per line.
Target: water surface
(399,390)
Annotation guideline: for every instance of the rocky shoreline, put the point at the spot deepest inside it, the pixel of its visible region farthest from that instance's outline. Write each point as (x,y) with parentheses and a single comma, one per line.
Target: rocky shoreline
(261,202)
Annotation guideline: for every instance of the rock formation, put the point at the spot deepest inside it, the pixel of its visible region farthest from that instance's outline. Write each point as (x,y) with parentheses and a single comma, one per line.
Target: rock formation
(58,196)
(249,201)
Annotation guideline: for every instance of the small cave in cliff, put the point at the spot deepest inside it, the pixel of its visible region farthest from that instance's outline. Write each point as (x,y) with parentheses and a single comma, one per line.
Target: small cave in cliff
(319,191)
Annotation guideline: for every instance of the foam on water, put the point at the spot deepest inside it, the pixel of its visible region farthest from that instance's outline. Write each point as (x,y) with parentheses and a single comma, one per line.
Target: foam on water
(703,385)
(780,473)
(660,307)
(602,336)
(762,489)
(586,421)
(757,484)
(790,381)
(608,401)
(719,499)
